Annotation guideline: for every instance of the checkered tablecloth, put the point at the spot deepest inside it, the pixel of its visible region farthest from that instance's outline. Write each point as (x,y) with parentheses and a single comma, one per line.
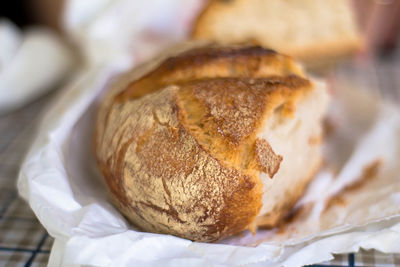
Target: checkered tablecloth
(24,242)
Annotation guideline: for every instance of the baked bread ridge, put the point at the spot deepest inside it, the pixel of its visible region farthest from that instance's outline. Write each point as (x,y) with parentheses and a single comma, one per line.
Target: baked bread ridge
(312,31)
(163,170)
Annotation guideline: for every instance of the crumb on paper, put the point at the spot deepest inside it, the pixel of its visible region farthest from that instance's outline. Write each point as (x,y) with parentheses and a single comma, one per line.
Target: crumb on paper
(294,215)
(369,172)
(329,127)
(253,227)
(315,140)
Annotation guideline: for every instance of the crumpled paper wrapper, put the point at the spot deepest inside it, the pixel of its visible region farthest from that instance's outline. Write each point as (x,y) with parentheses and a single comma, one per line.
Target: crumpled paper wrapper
(354,201)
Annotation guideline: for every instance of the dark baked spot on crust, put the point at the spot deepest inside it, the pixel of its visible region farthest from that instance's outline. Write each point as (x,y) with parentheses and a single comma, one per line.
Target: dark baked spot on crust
(209,53)
(114,178)
(114,185)
(267,160)
(171,211)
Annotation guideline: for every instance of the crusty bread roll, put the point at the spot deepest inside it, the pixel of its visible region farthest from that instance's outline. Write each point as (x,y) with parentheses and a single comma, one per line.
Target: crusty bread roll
(210,142)
(313,31)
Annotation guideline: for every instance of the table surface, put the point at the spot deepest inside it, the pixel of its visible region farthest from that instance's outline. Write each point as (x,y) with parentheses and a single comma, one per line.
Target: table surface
(24,241)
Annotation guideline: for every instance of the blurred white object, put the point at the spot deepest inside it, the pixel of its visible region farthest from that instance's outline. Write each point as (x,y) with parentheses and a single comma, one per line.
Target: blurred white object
(11,38)
(32,66)
(111,30)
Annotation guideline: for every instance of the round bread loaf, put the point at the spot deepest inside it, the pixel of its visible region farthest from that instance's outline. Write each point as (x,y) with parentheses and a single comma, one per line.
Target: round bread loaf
(211,141)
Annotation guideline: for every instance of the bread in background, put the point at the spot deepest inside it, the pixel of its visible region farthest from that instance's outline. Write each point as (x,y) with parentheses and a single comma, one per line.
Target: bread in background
(315,32)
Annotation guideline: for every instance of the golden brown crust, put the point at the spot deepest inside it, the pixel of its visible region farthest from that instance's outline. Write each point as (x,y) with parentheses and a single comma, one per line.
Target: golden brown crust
(173,185)
(177,148)
(235,106)
(212,62)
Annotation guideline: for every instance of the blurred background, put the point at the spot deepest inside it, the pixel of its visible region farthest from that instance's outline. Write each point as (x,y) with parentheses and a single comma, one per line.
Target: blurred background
(378,19)
(69,28)
(380,22)
(88,26)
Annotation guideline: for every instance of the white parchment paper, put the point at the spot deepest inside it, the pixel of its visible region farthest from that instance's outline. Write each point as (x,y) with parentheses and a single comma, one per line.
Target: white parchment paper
(61,182)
